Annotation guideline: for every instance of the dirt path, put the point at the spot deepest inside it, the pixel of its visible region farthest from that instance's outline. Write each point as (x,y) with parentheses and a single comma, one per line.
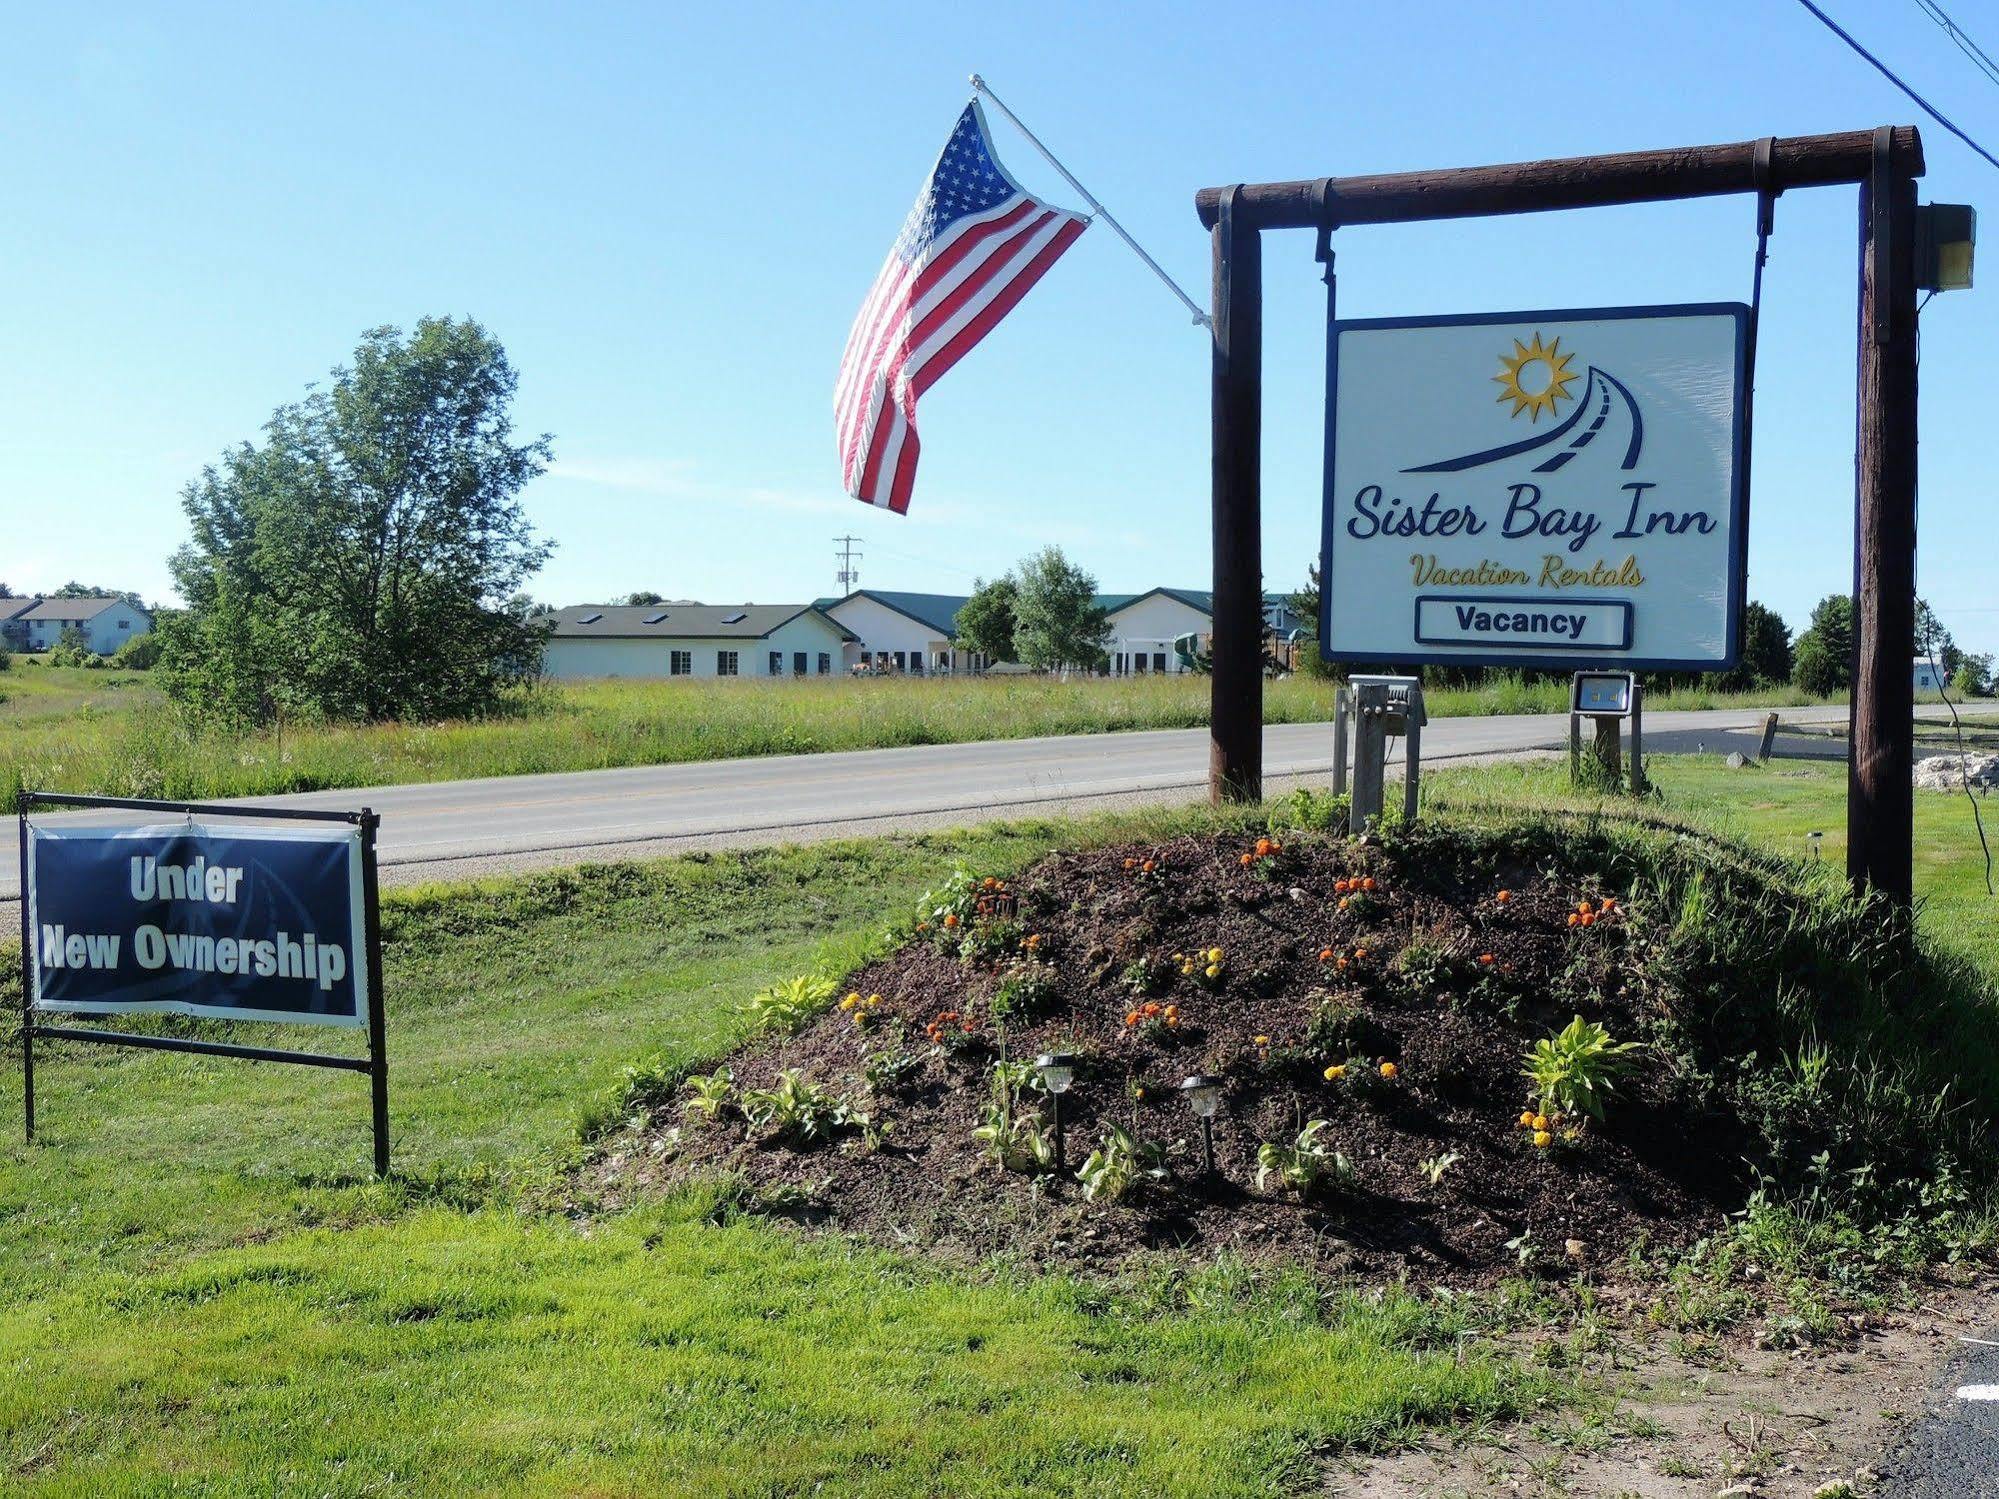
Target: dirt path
(1731,1419)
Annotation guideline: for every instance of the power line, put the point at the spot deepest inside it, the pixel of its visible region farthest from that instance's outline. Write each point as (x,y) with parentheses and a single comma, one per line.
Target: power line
(1965,44)
(1889,73)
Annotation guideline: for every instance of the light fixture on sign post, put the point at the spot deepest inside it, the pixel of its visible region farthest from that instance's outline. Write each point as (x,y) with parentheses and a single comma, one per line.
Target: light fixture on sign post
(1204,1097)
(1057,1071)
(1946,237)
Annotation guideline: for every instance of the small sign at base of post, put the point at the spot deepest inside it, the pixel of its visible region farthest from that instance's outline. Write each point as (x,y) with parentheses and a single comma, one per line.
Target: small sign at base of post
(1608,699)
(212,920)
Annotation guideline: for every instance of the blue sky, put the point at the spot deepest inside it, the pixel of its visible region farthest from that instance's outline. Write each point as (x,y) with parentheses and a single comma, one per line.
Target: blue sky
(669,214)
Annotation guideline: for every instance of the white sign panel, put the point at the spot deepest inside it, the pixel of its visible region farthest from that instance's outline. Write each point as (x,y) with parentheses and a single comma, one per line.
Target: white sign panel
(1550,489)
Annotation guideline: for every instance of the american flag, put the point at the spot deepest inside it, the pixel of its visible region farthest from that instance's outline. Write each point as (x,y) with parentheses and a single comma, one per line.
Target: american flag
(969,250)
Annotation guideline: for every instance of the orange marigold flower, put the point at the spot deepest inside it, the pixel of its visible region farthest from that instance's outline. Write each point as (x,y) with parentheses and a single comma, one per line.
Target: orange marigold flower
(1325,955)
(951,919)
(1131,1018)
(1504,896)
(1131,863)
(1368,883)
(1487,959)
(1147,867)
(1343,901)
(1573,918)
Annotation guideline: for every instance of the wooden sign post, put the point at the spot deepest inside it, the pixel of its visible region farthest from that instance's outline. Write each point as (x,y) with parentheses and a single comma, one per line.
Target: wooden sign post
(1883,163)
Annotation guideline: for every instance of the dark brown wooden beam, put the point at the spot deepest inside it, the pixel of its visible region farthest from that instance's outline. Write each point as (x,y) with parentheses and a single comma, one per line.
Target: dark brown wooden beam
(1235,720)
(1562,182)
(1880,804)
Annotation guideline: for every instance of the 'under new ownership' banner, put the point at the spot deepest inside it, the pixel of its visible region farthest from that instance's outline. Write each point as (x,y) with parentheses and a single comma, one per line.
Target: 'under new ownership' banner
(229,923)
(1554,489)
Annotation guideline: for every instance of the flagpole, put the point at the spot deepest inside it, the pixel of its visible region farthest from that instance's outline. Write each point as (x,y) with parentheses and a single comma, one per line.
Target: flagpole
(1201,319)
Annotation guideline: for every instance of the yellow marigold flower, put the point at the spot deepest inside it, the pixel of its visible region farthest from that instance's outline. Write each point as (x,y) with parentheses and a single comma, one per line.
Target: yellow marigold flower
(1388,1069)
(1335,1073)
(1214,970)
(1263,1040)
(1541,1123)
(1214,955)
(850,1001)
(1542,1139)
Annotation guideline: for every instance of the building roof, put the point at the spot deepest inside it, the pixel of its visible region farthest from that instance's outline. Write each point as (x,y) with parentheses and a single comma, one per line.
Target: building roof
(66,609)
(937,610)
(682,621)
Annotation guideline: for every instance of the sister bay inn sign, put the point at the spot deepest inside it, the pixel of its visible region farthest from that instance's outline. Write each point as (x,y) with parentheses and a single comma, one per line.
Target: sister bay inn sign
(1490,494)
(1536,489)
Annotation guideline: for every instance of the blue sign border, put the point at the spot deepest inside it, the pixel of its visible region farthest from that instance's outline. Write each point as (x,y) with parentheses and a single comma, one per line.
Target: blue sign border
(1541,602)
(1550,660)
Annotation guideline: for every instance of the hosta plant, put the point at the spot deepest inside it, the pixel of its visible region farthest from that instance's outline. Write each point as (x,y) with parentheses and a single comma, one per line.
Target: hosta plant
(1120,1163)
(788,1004)
(797,1111)
(1012,1136)
(1577,1070)
(708,1094)
(1306,1166)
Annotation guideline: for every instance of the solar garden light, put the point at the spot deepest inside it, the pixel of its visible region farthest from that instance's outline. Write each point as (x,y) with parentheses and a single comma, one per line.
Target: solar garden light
(1815,837)
(1204,1097)
(1057,1071)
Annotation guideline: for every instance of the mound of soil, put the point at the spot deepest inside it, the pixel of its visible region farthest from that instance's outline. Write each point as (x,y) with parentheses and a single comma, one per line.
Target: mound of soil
(1443,957)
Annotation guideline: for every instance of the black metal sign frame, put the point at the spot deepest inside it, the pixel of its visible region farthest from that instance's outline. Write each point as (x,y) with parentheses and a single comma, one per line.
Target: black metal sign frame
(375,1064)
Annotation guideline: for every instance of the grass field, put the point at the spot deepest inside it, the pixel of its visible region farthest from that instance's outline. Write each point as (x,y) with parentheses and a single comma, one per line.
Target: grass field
(201,1290)
(105,731)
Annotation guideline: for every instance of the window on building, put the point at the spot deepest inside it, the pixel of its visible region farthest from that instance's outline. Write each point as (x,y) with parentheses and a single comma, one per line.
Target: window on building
(798,663)
(901,661)
(725,663)
(825,664)
(1159,660)
(916,662)
(1138,663)
(777,663)
(124,624)
(681,663)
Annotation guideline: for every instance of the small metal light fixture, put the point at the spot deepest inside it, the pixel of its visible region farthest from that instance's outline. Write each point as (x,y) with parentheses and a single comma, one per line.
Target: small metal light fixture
(1057,1071)
(1814,838)
(1204,1097)
(1946,238)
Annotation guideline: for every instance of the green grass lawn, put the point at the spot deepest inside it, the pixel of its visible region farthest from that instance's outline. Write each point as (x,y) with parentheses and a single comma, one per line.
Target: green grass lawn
(202,1291)
(103,731)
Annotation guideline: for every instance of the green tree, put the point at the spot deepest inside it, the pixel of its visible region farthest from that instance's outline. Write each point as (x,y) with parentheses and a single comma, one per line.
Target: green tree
(985,621)
(76,590)
(1973,677)
(643,597)
(1057,621)
(1305,602)
(1934,642)
(357,564)
(72,649)
(1766,651)
(1822,662)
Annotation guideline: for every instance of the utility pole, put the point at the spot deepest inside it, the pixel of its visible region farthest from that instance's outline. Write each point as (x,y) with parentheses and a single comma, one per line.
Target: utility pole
(849,574)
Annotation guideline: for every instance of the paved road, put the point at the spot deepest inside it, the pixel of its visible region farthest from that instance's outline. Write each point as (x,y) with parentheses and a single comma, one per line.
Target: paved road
(1951,1451)
(455,829)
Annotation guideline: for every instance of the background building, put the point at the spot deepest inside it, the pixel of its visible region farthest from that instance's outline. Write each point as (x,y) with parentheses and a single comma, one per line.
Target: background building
(106,621)
(694,640)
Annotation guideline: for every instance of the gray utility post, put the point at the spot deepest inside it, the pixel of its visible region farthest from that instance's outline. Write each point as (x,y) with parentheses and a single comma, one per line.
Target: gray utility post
(1381,708)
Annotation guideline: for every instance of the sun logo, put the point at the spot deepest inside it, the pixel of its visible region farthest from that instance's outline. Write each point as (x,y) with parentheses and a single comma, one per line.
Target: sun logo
(1534,377)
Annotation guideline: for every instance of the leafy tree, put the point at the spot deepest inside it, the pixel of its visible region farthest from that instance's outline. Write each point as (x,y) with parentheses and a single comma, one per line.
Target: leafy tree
(1933,641)
(986,620)
(72,649)
(1057,621)
(1973,677)
(76,590)
(140,653)
(1816,670)
(357,564)
(1822,663)
(643,596)
(1766,651)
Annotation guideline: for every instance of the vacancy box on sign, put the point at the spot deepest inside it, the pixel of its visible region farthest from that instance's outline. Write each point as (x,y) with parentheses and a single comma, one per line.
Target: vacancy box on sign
(1524,623)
